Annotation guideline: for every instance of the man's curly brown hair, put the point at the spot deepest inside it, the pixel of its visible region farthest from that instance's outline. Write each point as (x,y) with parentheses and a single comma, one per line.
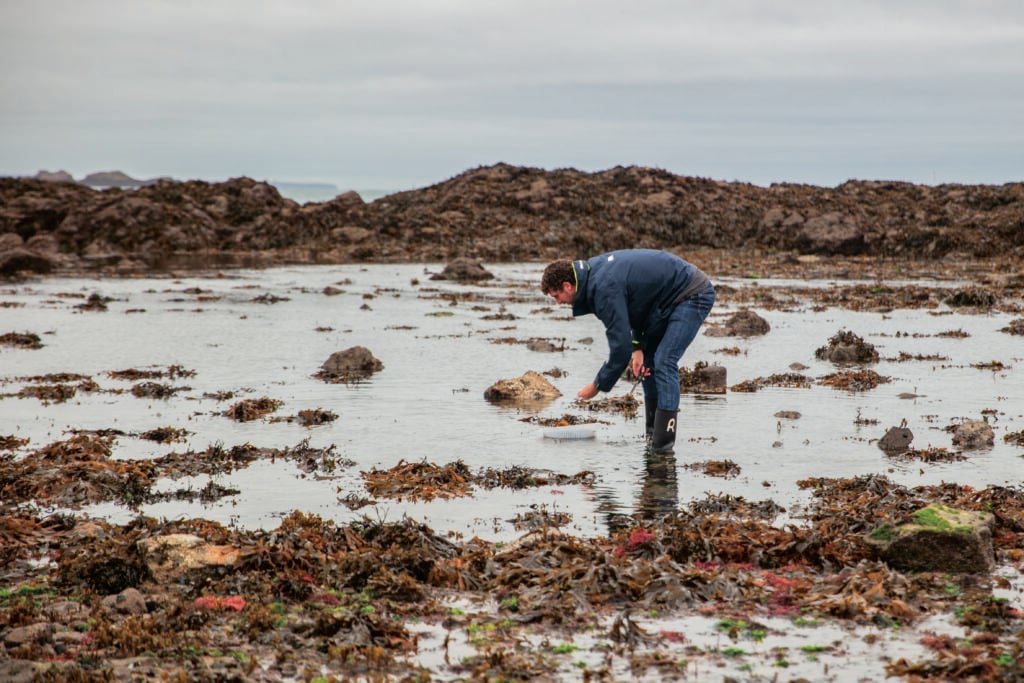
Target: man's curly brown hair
(555,274)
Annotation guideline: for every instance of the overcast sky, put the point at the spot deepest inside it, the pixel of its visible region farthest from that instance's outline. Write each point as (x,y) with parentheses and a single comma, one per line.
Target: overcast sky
(395,94)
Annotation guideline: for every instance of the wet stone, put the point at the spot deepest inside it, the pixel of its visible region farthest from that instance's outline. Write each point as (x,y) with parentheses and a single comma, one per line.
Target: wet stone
(703,379)
(846,347)
(973,434)
(1015,327)
(352,364)
(21,670)
(745,323)
(27,340)
(128,601)
(463,269)
(529,387)
(896,440)
(33,633)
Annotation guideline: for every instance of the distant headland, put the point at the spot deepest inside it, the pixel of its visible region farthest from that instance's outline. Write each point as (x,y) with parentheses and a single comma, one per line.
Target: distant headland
(107,179)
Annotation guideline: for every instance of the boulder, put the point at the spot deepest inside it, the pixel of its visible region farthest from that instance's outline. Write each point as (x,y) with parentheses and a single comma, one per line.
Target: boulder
(896,440)
(170,557)
(463,269)
(973,434)
(846,348)
(352,364)
(939,539)
(703,379)
(531,387)
(745,323)
(1016,326)
(128,601)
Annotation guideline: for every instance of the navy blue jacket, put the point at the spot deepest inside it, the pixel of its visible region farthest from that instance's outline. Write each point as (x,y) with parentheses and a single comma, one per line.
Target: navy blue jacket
(632,292)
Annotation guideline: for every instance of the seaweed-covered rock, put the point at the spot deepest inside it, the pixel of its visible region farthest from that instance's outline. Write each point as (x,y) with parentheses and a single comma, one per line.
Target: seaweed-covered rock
(352,364)
(940,539)
(975,297)
(21,340)
(745,323)
(21,260)
(973,434)
(464,269)
(1015,327)
(847,347)
(703,379)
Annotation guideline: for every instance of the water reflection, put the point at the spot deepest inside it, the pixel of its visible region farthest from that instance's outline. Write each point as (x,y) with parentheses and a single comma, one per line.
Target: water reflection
(659,493)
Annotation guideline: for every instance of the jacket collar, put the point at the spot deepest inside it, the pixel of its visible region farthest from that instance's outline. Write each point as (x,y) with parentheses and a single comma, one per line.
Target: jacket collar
(581,304)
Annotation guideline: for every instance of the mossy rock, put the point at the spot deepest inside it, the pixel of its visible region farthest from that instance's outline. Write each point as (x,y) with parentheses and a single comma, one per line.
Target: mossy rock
(938,538)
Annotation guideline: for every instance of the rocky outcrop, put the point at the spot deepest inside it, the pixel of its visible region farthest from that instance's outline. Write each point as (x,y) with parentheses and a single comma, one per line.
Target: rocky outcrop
(506,213)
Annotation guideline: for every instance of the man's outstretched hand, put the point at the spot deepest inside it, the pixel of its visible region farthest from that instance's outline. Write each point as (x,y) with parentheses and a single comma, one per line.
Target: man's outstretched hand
(588,392)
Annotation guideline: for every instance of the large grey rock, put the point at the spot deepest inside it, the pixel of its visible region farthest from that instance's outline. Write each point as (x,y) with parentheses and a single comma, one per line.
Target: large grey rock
(938,539)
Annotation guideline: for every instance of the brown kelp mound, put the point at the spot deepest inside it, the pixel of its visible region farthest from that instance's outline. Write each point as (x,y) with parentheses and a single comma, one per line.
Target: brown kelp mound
(500,213)
(195,600)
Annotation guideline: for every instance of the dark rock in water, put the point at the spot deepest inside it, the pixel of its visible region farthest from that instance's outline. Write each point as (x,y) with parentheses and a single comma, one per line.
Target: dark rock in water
(745,323)
(352,364)
(846,347)
(530,387)
(1016,326)
(976,297)
(27,340)
(896,440)
(463,269)
(973,434)
(703,379)
(939,539)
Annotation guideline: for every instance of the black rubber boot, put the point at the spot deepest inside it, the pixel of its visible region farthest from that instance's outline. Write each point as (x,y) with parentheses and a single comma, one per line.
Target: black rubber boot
(650,405)
(663,440)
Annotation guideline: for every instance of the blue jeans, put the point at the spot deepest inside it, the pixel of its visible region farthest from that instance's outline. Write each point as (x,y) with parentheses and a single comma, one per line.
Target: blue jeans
(683,324)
